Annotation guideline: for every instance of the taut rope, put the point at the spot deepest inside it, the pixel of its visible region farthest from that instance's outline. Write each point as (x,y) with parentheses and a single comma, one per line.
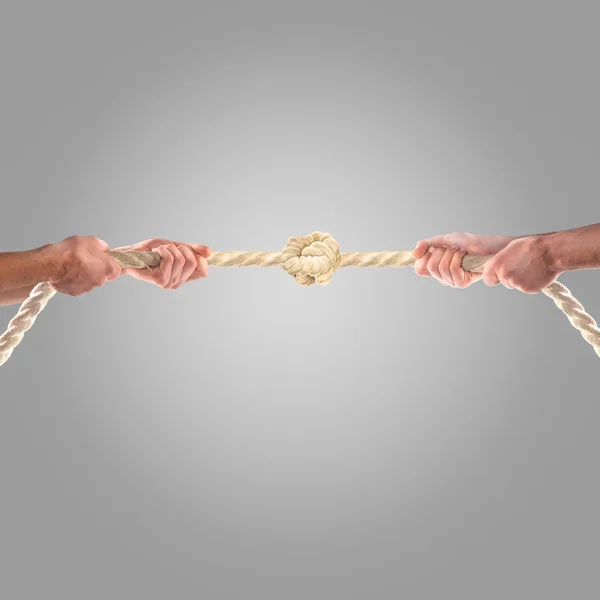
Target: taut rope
(309,259)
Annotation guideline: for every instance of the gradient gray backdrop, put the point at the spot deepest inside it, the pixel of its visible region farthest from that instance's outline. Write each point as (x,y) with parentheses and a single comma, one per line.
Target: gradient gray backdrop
(381,437)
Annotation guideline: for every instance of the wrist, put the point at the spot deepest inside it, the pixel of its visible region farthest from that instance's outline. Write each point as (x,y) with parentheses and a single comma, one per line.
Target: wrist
(51,262)
(553,246)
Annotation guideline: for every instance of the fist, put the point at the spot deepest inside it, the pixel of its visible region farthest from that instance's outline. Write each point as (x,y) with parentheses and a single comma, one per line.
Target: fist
(179,263)
(81,264)
(523,265)
(441,257)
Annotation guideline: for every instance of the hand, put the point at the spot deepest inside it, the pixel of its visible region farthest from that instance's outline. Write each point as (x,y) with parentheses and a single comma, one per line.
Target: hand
(80,264)
(179,263)
(441,257)
(524,265)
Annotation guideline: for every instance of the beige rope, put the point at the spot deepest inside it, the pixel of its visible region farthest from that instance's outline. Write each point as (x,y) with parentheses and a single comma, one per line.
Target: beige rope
(310,259)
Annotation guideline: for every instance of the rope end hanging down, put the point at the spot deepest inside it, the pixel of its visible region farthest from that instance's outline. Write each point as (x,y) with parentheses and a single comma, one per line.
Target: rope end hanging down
(24,319)
(309,259)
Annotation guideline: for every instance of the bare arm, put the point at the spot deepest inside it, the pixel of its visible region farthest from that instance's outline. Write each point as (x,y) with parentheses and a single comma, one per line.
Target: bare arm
(15,295)
(20,272)
(527,263)
(574,249)
(74,266)
(79,264)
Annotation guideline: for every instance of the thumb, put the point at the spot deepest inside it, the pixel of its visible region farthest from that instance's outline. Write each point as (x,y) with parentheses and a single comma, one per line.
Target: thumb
(490,276)
(436,241)
(202,250)
(421,249)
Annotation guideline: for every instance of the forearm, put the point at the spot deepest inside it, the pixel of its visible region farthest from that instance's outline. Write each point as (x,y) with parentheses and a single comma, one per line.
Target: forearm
(20,272)
(15,295)
(539,235)
(574,249)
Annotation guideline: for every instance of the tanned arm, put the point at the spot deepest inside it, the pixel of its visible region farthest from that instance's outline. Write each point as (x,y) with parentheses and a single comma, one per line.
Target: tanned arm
(20,272)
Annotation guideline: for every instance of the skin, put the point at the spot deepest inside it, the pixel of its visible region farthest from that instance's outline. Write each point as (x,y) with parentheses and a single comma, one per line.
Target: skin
(80,264)
(528,264)
(77,265)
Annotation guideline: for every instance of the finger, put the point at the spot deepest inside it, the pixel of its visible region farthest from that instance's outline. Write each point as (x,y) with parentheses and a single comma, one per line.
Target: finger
(421,265)
(456,270)
(421,249)
(165,267)
(155,242)
(201,270)
(433,266)
(177,268)
(114,270)
(490,277)
(436,241)
(506,283)
(189,266)
(444,266)
(143,274)
(146,245)
(202,250)
(103,245)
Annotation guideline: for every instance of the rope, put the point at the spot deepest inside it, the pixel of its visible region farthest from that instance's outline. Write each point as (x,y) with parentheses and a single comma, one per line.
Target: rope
(310,259)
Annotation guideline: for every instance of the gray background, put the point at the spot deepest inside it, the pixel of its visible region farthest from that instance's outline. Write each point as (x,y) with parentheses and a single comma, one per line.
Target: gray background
(381,437)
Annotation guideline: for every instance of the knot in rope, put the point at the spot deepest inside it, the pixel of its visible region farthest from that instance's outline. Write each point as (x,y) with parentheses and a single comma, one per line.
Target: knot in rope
(312,258)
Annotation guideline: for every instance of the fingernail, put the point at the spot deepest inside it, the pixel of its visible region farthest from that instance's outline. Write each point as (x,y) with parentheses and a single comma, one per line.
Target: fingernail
(455,247)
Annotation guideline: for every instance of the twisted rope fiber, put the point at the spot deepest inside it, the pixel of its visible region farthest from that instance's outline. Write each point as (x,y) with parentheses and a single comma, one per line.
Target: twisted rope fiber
(309,259)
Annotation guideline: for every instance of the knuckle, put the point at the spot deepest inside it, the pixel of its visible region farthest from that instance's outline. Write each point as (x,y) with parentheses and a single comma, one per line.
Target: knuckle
(421,267)
(191,258)
(78,251)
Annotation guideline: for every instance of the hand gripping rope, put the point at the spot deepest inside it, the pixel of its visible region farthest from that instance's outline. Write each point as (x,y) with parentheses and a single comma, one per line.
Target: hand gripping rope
(310,259)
